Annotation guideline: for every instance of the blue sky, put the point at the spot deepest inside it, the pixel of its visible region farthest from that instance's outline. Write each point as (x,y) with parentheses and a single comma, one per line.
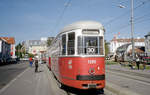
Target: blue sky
(32,19)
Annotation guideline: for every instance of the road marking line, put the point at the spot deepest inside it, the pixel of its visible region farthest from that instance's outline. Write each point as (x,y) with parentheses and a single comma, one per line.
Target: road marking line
(12,81)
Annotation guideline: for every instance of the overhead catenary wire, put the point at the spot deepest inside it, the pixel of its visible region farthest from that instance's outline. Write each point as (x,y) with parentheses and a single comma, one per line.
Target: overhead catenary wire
(66,5)
(124,1)
(136,22)
(141,17)
(122,15)
(127,25)
(136,19)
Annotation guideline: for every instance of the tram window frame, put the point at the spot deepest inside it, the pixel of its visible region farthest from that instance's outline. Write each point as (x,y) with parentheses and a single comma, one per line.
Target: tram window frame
(81,45)
(101,45)
(71,43)
(63,44)
(90,45)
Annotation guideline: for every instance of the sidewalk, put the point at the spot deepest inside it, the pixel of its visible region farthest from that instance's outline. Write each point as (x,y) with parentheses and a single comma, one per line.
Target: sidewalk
(31,83)
(123,68)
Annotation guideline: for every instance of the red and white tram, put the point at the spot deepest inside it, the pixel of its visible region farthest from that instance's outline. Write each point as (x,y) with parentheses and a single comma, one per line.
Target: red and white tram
(76,56)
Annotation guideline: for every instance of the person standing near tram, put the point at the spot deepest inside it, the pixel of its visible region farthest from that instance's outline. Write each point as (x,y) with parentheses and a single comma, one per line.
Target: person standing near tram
(30,61)
(36,64)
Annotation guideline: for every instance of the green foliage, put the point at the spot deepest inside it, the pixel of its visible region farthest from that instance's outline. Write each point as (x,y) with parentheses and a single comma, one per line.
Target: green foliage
(30,55)
(18,50)
(110,63)
(49,41)
(106,48)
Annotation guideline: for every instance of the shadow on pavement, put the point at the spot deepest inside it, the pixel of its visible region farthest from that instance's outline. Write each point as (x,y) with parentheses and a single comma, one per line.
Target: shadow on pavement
(40,71)
(82,92)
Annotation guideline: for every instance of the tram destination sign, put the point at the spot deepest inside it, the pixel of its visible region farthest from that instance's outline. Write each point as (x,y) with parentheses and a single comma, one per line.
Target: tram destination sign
(90,32)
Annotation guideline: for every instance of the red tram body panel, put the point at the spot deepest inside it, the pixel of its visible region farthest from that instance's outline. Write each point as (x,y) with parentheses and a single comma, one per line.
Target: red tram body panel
(76,57)
(81,71)
(49,62)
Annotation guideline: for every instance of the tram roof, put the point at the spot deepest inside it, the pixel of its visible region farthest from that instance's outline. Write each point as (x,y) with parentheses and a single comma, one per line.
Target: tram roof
(83,25)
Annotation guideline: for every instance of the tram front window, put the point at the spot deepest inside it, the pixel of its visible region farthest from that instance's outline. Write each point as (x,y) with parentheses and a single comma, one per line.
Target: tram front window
(90,45)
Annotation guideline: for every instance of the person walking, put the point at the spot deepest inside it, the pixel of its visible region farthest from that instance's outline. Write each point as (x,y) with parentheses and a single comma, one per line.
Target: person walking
(138,62)
(144,63)
(30,61)
(36,64)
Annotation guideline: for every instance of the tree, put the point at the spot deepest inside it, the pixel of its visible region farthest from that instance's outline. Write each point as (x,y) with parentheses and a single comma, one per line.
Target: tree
(106,48)
(18,50)
(49,41)
(30,55)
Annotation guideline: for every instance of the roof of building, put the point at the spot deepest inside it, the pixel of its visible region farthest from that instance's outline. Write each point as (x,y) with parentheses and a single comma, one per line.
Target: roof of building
(83,25)
(137,50)
(122,48)
(129,40)
(35,42)
(9,40)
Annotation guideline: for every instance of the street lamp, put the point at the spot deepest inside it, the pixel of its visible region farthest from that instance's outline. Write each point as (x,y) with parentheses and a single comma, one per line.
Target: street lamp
(132,29)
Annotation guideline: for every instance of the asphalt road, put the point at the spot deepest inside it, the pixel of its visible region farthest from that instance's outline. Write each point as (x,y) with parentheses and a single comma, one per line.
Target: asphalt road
(10,71)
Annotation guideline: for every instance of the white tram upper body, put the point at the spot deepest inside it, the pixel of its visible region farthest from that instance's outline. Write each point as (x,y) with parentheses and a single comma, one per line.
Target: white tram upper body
(74,37)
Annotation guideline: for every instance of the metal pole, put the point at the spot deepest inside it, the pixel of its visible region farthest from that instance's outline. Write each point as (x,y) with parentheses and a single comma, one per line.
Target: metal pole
(132,31)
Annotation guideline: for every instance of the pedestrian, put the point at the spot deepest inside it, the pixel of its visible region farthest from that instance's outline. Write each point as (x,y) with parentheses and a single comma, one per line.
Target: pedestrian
(144,64)
(36,64)
(131,64)
(116,58)
(30,61)
(138,63)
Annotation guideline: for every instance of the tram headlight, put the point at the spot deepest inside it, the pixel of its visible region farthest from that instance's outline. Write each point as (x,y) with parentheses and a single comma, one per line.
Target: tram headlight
(98,68)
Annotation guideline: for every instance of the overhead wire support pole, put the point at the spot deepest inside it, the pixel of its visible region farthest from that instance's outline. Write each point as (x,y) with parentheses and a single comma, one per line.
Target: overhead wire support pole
(132,30)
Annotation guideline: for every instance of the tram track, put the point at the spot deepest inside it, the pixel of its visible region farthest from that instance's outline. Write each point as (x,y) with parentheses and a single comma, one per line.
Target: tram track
(131,73)
(134,76)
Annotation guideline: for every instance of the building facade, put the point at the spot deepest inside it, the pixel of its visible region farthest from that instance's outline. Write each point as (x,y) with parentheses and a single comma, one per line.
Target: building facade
(147,44)
(11,41)
(35,46)
(5,50)
(117,42)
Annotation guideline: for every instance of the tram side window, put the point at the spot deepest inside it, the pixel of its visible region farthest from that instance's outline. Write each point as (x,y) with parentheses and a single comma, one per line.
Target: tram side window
(71,42)
(64,44)
(101,45)
(80,45)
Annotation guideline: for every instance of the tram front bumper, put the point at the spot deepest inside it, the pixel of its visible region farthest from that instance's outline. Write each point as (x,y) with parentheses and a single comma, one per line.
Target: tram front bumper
(90,77)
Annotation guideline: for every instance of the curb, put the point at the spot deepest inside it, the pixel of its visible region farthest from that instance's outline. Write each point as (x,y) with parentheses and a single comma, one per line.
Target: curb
(119,90)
